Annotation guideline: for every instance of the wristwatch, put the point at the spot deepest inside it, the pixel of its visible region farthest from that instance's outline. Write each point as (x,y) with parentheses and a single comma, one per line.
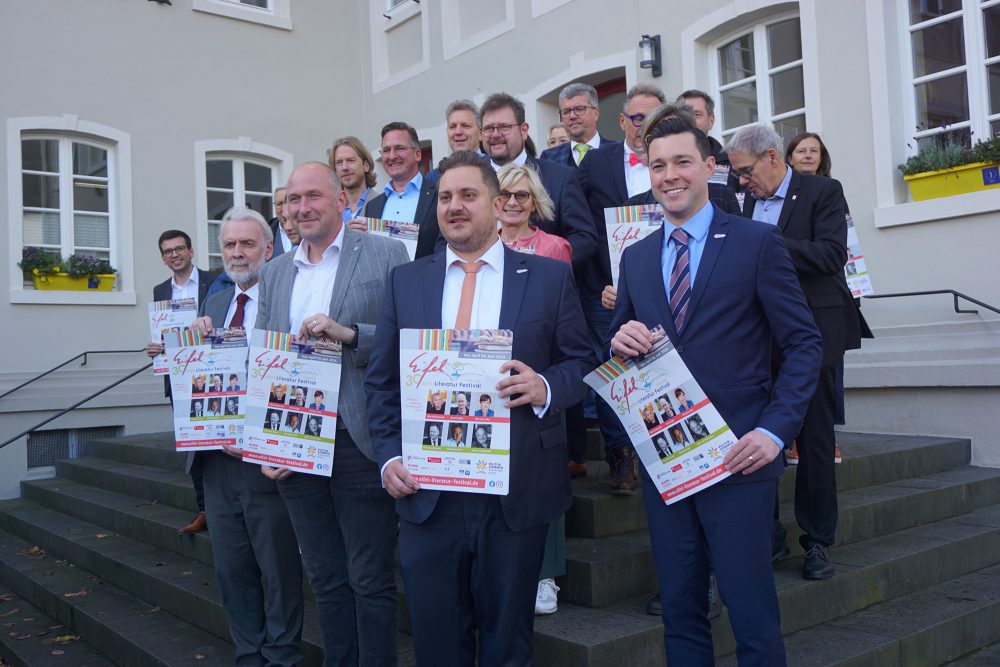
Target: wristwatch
(353,344)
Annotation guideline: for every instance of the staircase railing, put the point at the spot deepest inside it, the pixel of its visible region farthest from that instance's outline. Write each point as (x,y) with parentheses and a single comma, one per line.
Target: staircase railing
(955,296)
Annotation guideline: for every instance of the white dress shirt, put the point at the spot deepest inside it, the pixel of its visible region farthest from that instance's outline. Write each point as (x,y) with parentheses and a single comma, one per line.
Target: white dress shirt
(313,285)
(249,308)
(188,290)
(637,177)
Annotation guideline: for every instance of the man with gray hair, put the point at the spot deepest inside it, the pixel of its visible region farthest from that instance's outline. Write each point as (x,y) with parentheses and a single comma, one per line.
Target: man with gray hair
(810,212)
(463,130)
(257,565)
(578,112)
(331,288)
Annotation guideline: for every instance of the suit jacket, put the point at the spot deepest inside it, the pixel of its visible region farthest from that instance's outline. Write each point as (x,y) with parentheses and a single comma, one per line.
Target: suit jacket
(540,305)
(365,262)
(814,225)
(563,153)
(279,248)
(745,293)
(429,238)
(164,292)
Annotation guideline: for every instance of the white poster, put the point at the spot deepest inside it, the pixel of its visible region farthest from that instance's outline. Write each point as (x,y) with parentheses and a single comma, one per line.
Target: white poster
(406,232)
(855,270)
(165,316)
(627,225)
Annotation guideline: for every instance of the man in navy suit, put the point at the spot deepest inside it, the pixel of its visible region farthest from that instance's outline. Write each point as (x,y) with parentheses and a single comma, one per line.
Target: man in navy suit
(578,112)
(732,290)
(809,212)
(471,561)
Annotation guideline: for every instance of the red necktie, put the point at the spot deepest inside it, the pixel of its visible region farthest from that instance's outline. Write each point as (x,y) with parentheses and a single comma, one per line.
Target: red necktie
(464,317)
(237,321)
(633,159)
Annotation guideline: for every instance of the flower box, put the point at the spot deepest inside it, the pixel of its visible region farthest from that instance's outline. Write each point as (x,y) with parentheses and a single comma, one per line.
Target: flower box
(954,181)
(61,281)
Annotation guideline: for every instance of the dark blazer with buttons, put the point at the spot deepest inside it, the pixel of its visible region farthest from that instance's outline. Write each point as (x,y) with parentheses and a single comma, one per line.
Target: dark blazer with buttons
(563,153)
(429,236)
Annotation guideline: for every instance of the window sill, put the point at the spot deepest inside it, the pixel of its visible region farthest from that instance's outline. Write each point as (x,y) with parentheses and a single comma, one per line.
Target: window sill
(219,7)
(69,298)
(400,14)
(957,206)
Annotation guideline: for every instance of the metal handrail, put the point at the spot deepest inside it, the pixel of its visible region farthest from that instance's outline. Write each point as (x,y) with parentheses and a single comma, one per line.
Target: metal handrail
(77,404)
(52,370)
(955,295)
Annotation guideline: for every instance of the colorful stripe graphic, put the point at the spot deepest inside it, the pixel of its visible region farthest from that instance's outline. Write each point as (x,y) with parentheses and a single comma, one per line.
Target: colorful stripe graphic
(276,340)
(609,370)
(159,305)
(376,224)
(191,337)
(435,339)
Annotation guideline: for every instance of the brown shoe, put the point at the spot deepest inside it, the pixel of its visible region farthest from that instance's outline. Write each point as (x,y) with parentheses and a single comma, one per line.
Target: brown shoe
(577,470)
(198,525)
(837,456)
(622,472)
(792,455)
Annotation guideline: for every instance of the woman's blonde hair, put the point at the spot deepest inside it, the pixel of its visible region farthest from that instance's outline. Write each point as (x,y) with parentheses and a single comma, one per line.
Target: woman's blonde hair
(512,173)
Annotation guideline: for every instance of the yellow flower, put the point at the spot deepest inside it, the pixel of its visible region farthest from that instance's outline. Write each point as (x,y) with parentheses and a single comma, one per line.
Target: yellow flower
(35,270)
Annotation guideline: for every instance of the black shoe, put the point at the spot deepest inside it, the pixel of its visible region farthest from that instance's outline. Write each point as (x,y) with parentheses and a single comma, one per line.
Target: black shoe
(655,606)
(817,564)
(714,601)
(780,551)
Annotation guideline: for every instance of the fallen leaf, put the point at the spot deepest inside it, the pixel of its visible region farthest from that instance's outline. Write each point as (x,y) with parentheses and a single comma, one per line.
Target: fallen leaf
(57,651)
(28,619)
(187,572)
(29,551)
(9,613)
(6,598)
(63,639)
(154,610)
(20,638)
(159,563)
(199,656)
(101,536)
(54,627)
(75,595)
(41,633)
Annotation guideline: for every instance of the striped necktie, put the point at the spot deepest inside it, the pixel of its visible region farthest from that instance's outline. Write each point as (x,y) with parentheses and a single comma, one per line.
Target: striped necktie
(679,292)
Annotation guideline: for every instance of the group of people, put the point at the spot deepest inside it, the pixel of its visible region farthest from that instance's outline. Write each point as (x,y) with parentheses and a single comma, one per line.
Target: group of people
(752,296)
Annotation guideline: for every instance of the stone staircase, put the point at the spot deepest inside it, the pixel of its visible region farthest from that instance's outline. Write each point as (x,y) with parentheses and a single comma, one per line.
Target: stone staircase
(94,553)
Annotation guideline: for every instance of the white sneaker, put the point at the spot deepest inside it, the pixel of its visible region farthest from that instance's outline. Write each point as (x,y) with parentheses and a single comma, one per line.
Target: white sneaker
(546,601)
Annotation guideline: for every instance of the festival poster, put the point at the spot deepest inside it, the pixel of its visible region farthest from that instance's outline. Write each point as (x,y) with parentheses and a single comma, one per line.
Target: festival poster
(167,316)
(855,270)
(627,225)
(456,430)
(208,383)
(292,394)
(679,435)
(401,231)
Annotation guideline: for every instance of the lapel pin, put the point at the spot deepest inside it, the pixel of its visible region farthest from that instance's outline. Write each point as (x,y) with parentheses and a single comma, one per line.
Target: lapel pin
(719,236)
(522,270)
(794,197)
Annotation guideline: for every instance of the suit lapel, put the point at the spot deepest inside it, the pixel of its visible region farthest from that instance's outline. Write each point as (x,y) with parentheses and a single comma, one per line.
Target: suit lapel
(653,274)
(345,270)
(515,279)
(424,201)
(433,289)
(618,170)
(713,246)
(791,198)
(748,203)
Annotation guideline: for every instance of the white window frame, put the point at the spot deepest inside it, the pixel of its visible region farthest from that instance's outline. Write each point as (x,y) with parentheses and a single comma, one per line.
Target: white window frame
(277,15)
(118,144)
(242,149)
(762,75)
(453,45)
(381,23)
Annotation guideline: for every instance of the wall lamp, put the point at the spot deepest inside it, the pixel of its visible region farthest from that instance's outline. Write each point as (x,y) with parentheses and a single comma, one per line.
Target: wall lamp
(649,47)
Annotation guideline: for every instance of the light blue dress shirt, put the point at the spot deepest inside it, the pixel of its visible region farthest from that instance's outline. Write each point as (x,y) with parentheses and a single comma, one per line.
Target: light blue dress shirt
(349,213)
(402,206)
(769,210)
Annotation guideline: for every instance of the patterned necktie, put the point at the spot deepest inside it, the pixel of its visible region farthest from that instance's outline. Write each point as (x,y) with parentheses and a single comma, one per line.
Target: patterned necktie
(581,150)
(468,293)
(679,292)
(237,321)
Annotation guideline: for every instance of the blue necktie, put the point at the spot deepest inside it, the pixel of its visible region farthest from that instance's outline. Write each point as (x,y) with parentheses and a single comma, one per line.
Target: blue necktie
(679,292)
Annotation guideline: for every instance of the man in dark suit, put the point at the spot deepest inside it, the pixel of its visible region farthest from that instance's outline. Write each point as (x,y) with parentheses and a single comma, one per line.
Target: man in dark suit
(408,196)
(484,576)
(256,557)
(732,290)
(504,133)
(578,112)
(809,213)
(281,241)
(186,281)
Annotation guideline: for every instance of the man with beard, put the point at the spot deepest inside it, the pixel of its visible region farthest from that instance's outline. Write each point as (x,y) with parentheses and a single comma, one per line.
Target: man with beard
(356,169)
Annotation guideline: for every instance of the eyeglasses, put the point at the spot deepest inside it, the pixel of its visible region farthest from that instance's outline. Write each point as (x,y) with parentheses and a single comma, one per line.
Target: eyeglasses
(577,111)
(521,196)
(179,250)
(635,118)
(502,128)
(746,173)
(278,203)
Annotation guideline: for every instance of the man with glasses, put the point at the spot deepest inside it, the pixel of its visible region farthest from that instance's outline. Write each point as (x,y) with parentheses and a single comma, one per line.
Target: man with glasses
(408,196)
(282,243)
(186,282)
(578,112)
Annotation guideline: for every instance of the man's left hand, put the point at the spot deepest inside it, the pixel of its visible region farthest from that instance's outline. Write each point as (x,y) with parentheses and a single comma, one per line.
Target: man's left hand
(526,382)
(321,326)
(271,472)
(358,225)
(751,453)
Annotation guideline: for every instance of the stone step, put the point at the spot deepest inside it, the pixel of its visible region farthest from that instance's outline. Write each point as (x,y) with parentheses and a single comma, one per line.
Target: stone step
(149,449)
(125,629)
(169,487)
(31,638)
(927,627)
(987,656)
(176,584)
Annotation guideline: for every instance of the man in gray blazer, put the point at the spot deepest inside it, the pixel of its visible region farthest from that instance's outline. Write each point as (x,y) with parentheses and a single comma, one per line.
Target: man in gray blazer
(257,564)
(331,287)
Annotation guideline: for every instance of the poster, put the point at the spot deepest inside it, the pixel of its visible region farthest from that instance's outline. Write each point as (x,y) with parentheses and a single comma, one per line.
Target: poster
(292,395)
(678,434)
(167,316)
(855,270)
(401,231)
(627,225)
(456,430)
(208,381)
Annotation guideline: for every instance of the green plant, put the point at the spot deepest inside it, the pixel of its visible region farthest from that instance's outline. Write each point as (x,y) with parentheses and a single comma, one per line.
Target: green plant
(78,266)
(40,262)
(934,157)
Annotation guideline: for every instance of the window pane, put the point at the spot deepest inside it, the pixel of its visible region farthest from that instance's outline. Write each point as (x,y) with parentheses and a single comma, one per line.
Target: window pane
(789,127)
(256,177)
(41,228)
(786,91)
(90,196)
(261,204)
(89,160)
(219,173)
(942,102)
(739,106)
(40,191)
(91,231)
(40,155)
(962,135)
(784,42)
(991,21)
(214,262)
(923,10)
(938,48)
(993,73)
(218,204)
(736,60)
(213,238)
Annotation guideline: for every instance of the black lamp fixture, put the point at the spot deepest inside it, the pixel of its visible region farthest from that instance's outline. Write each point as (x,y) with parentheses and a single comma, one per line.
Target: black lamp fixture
(649,47)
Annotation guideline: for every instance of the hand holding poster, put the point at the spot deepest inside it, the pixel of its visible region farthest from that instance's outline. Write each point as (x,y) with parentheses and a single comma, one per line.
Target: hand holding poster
(456,430)
(207,379)
(406,232)
(165,316)
(292,396)
(678,434)
(627,225)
